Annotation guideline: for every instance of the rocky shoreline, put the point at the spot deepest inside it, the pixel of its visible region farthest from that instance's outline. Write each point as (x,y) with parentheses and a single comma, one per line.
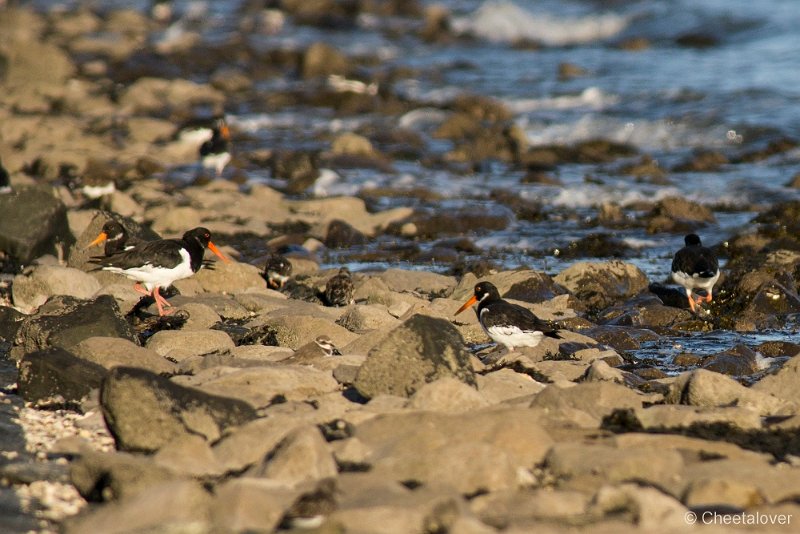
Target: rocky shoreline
(225,417)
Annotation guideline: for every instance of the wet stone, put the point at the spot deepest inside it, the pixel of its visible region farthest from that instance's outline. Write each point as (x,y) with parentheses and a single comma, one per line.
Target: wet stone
(66,321)
(56,377)
(144,411)
(33,222)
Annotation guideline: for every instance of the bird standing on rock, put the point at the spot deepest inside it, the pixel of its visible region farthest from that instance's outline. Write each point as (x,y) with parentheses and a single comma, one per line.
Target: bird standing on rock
(5,182)
(157,264)
(216,152)
(507,323)
(695,267)
(277,271)
(339,289)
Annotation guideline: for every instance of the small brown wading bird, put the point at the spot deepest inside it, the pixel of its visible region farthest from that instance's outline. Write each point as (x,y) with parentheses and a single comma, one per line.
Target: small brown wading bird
(339,289)
(157,264)
(507,323)
(695,267)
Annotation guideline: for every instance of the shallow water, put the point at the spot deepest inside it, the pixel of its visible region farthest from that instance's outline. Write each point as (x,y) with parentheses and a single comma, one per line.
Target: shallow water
(735,95)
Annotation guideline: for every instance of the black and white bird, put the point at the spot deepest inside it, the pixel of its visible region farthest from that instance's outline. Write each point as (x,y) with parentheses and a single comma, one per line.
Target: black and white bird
(695,267)
(115,237)
(339,289)
(215,153)
(277,271)
(507,323)
(5,181)
(157,264)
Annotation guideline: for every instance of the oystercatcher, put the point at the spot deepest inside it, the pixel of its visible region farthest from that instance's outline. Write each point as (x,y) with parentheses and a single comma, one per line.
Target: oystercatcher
(115,237)
(507,323)
(339,289)
(277,271)
(157,264)
(695,267)
(216,152)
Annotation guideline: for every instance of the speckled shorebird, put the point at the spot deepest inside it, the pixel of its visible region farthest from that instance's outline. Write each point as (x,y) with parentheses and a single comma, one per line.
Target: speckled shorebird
(339,289)
(695,267)
(157,264)
(321,347)
(310,509)
(277,271)
(507,323)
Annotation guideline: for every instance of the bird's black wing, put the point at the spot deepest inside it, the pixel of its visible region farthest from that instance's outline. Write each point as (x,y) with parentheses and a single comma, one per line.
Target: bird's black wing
(161,253)
(504,313)
(695,260)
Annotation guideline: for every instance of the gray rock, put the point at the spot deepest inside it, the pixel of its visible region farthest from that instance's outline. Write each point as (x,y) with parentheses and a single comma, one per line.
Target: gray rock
(32,288)
(144,411)
(33,222)
(596,464)
(504,509)
(505,384)
(259,386)
(250,505)
(651,510)
(56,377)
(419,351)
(784,383)
(360,318)
(110,352)
(601,284)
(110,476)
(65,321)
(302,456)
(431,448)
(190,456)
(592,401)
(179,344)
(181,505)
(676,416)
(248,444)
(736,361)
(448,395)
(402,280)
(710,389)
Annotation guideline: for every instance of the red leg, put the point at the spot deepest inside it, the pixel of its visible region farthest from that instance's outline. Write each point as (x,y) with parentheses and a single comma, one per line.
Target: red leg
(161,302)
(691,300)
(140,289)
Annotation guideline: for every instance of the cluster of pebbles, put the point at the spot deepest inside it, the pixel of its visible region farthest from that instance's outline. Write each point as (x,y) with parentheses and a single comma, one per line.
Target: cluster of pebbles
(231,414)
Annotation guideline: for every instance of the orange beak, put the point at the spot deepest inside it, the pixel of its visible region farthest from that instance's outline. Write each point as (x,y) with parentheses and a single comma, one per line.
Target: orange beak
(225,132)
(213,248)
(467,304)
(97,240)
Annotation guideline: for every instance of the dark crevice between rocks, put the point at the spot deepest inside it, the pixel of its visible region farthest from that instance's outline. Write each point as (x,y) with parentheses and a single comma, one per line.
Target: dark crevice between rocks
(517,367)
(779,442)
(353,395)
(147,326)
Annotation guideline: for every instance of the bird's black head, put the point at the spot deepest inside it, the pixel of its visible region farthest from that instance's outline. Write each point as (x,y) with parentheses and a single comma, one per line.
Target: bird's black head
(114,231)
(486,290)
(278,264)
(692,240)
(199,234)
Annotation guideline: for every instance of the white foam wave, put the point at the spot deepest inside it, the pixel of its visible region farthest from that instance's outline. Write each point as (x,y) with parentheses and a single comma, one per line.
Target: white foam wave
(421,117)
(649,135)
(585,196)
(591,97)
(503,21)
